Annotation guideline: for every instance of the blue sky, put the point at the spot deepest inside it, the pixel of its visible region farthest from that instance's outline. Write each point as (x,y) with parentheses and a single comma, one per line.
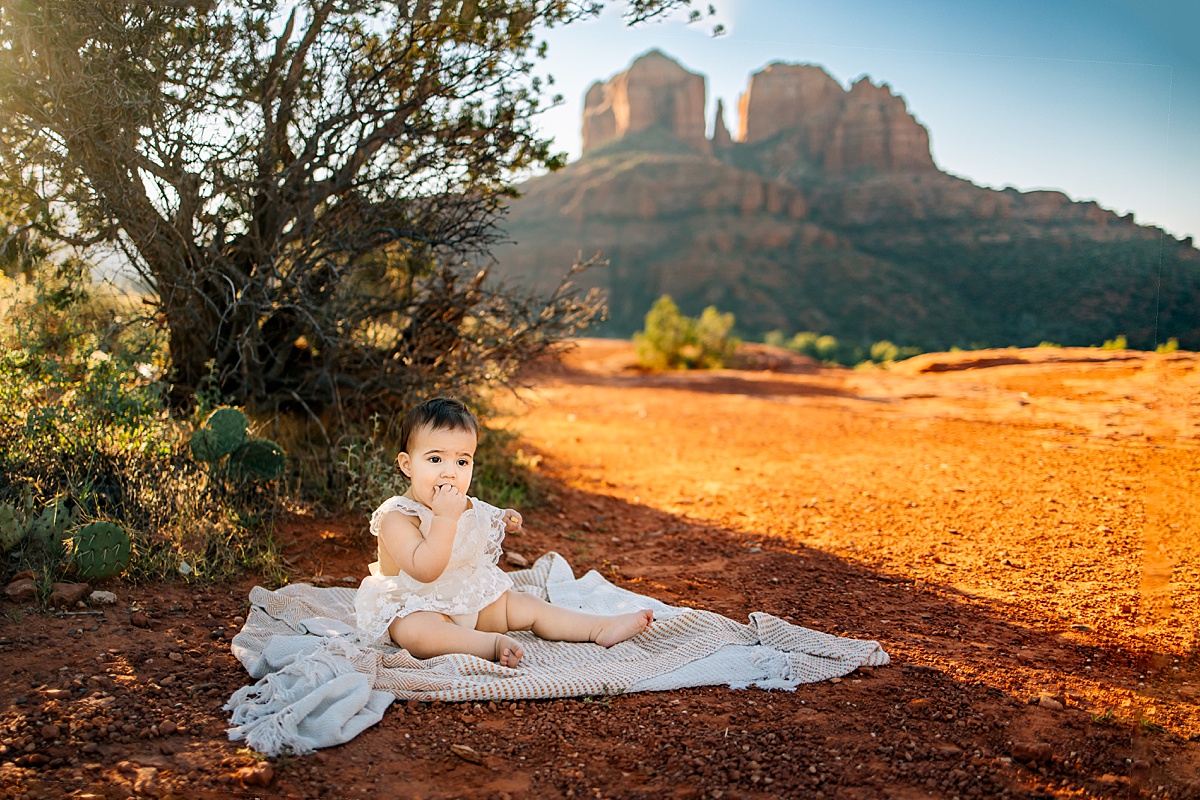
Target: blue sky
(1099,99)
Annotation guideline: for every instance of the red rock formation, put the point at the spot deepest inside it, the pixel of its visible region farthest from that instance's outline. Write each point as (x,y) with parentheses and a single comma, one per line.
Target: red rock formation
(826,126)
(654,92)
(721,137)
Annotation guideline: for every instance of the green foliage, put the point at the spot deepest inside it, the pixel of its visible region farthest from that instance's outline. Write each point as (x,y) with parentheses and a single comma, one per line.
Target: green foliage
(101,550)
(222,445)
(1170,346)
(12,527)
(828,350)
(1049,344)
(671,340)
(86,435)
(1119,343)
(220,434)
(257,459)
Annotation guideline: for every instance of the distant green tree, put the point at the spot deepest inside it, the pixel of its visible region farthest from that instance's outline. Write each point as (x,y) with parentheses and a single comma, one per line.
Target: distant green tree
(671,340)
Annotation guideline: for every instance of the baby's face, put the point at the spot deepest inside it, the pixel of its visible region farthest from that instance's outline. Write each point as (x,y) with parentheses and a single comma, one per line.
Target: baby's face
(441,457)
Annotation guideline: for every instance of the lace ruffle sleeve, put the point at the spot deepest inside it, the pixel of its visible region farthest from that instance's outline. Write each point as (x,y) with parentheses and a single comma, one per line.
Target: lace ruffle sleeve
(491,521)
(405,506)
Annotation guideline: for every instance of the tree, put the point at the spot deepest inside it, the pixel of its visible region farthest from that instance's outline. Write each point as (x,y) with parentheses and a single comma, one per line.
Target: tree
(310,188)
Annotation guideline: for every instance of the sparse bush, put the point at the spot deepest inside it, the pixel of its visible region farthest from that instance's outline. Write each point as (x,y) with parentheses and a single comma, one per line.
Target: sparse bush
(1119,343)
(1170,346)
(671,340)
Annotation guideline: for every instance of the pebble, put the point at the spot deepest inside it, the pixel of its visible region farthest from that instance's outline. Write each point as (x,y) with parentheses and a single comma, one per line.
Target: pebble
(466,753)
(99,598)
(50,731)
(65,595)
(167,727)
(1046,701)
(516,559)
(1031,752)
(138,619)
(21,590)
(260,774)
(145,781)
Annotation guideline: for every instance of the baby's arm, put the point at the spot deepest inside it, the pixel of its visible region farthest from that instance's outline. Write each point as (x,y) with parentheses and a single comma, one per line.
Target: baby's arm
(424,556)
(512,520)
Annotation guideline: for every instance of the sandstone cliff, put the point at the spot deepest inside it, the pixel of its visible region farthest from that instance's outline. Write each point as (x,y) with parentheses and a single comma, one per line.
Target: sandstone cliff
(655,92)
(811,122)
(827,213)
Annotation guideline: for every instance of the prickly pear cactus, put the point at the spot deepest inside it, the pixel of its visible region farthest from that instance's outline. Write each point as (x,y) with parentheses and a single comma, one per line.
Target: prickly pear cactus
(257,458)
(12,528)
(222,433)
(50,526)
(101,550)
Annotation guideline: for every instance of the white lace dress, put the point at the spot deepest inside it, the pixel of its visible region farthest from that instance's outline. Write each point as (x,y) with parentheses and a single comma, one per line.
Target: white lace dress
(470,582)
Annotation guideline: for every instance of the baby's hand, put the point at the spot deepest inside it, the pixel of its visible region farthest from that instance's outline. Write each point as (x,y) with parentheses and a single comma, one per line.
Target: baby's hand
(448,502)
(512,520)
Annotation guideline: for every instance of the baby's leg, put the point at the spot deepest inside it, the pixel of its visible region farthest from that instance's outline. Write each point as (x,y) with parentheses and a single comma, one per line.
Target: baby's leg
(426,634)
(519,611)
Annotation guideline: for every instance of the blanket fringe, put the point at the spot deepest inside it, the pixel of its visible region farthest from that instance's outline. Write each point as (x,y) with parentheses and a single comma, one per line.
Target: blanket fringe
(281,689)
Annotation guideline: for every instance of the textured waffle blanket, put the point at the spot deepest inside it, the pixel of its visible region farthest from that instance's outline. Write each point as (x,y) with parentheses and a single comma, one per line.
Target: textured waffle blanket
(318,686)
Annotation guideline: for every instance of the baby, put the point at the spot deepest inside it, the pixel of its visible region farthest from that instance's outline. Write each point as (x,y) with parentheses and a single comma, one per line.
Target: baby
(436,588)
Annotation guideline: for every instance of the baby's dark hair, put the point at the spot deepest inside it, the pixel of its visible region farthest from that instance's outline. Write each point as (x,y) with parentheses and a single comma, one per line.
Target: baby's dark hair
(440,413)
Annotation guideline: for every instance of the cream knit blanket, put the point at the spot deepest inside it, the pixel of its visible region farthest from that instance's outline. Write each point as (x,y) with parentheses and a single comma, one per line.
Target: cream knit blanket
(319,687)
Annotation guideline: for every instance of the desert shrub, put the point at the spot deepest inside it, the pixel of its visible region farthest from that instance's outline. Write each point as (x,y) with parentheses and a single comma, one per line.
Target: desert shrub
(1119,343)
(1170,346)
(671,340)
(86,429)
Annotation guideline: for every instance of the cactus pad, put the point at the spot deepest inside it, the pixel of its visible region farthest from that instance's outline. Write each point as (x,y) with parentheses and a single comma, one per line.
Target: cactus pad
(101,550)
(258,458)
(222,433)
(50,526)
(12,528)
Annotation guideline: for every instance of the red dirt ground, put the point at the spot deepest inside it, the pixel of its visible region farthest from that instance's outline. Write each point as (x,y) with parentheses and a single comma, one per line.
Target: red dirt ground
(1018,528)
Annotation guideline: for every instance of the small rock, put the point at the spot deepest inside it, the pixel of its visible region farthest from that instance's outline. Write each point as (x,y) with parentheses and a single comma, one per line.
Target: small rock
(466,753)
(57,694)
(1046,701)
(176,657)
(102,598)
(260,774)
(1031,752)
(167,727)
(755,549)
(32,760)
(127,766)
(21,590)
(516,559)
(920,702)
(239,620)
(50,731)
(65,595)
(138,619)
(350,580)
(146,782)
(25,573)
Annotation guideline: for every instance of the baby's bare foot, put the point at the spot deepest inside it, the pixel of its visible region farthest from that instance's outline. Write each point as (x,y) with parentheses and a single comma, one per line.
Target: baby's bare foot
(624,626)
(508,652)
